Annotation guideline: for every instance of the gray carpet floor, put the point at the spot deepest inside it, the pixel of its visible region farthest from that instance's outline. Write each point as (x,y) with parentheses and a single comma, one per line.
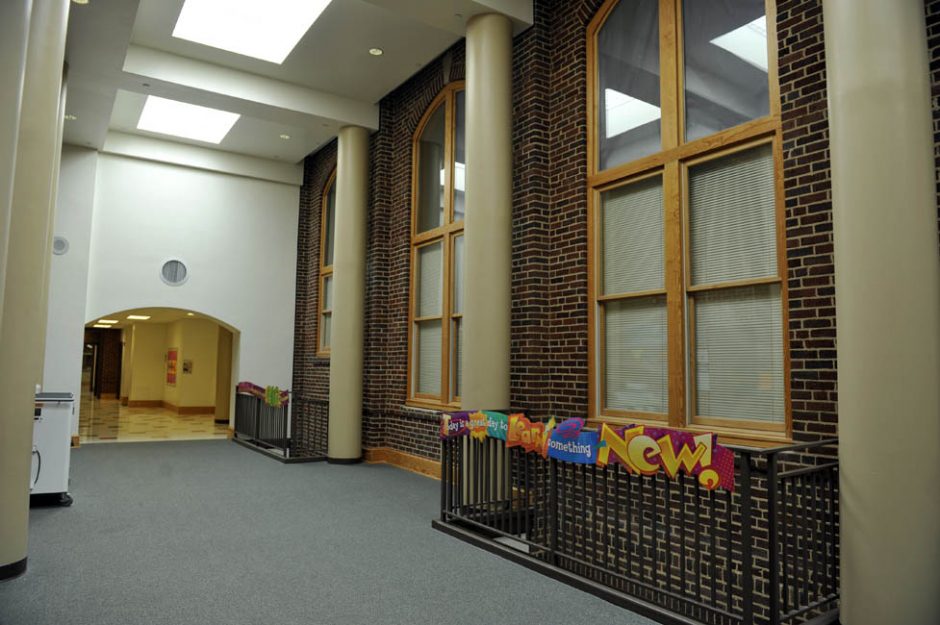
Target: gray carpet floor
(208,532)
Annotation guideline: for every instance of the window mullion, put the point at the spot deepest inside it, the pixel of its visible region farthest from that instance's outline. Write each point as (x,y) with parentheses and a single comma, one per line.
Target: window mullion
(669,62)
(675,292)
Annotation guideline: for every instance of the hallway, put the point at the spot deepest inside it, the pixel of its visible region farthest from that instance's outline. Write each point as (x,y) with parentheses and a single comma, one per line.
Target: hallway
(107,421)
(211,533)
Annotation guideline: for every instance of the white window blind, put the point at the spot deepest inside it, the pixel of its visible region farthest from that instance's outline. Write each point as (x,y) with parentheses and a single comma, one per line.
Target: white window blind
(732,217)
(739,354)
(430,274)
(429,358)
(328,293)
(458,274)
(326,330)
(636,376)
(632,232)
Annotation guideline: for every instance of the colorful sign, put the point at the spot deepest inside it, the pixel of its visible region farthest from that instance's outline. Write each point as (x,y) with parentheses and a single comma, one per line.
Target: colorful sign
(271,395)
(641,449)
(172,358)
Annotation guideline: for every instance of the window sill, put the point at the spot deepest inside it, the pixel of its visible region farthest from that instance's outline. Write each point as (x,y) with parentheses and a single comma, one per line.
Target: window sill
(740,437)
(430,405)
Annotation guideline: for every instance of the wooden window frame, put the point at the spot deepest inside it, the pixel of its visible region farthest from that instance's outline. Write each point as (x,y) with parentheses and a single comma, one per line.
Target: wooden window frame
(672,163)
(445,234)
(326,271)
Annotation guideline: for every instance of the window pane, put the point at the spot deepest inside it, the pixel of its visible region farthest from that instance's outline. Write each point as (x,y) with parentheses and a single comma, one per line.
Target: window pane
(628,83)
(330,220)
(429,358)
(460,170)
(635,357)
(458,274)
(326,330)
(429,272)
(327,293)
(632,237)
(733,225)
(726,80)
(431,173)
(457,353)
(739,354)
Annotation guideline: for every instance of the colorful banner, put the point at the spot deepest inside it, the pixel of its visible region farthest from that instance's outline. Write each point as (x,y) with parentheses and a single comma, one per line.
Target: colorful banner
(641,449)
(271,395)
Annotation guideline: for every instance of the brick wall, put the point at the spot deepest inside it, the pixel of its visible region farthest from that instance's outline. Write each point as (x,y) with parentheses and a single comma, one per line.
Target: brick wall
(549,373)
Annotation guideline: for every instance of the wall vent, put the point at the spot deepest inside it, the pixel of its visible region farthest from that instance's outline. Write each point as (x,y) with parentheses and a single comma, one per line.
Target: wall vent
(60,245)
(174,272)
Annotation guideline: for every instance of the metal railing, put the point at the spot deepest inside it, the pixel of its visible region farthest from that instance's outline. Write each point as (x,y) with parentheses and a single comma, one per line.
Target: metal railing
(261,425)
(666,547)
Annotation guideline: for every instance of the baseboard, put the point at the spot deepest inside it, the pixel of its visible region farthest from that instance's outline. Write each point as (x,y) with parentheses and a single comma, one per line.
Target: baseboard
(188,409)
(76,441)
(403,460)
(14,569)
(230,434)
(124,401)
(109,396)
(145,403)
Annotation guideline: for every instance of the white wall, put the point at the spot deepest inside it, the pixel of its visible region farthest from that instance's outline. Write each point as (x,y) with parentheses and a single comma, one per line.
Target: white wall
(62,369)
(238,237)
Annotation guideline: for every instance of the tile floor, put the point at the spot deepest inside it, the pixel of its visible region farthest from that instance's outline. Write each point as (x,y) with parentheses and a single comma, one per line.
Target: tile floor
(107,421)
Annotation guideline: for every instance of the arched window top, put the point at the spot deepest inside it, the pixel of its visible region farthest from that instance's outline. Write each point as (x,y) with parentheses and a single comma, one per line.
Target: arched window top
(327,248)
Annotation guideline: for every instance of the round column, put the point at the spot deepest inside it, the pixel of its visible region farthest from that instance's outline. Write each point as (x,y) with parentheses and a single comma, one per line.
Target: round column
(23,321)
(488,224)
(887,310)
(349,288)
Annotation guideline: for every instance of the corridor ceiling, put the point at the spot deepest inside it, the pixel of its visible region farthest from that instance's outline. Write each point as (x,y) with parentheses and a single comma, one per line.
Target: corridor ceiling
(120,51)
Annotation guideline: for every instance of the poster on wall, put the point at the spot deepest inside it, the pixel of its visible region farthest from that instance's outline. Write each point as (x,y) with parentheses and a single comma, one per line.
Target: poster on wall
(172,358)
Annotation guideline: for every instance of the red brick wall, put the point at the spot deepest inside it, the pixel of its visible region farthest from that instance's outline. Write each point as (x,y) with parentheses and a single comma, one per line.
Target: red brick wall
(549,371)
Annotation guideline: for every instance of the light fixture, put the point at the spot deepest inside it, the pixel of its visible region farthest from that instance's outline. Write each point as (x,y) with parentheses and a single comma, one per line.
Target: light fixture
(748,42)
(80,1)
(625,112)
(285,137)
(100,325)
(190,121)
(190,314)
(107,321)
(263,30)
(376,51)
(71,118)
(139,317)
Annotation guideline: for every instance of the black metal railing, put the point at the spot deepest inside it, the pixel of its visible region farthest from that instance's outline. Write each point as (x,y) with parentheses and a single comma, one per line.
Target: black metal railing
(309,427)
(668,547)
(260,424)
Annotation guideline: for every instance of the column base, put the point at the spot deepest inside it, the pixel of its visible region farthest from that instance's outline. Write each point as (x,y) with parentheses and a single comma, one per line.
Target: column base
(343,460)
(15,569)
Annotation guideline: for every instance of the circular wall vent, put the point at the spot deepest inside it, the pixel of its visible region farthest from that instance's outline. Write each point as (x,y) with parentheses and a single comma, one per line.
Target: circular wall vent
(174,272)
(60,245)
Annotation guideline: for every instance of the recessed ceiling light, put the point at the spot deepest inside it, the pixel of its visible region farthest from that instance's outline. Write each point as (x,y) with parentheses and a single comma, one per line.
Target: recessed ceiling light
(285,137)
(376,51)
(80,1)
(107,321)
(180,119)
(100,325)
(190,314)
(748,42)
(625,112)
(263,30)
(71,118)
(139,317)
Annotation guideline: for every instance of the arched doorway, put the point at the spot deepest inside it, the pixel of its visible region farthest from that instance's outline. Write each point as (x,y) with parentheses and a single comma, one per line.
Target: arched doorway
(152,374)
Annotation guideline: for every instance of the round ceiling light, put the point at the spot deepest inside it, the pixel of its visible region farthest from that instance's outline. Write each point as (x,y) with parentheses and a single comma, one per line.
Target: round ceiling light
(376,51)
(285,137)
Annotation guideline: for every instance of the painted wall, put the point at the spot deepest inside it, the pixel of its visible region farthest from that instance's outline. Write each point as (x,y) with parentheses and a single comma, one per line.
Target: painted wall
(148,362)
(68,276)
(173,340)
(197,341)
(238,237)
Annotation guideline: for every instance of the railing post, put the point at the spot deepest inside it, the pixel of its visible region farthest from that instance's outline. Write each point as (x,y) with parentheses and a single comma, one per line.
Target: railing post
(774,589)
(747,546)
(552,509)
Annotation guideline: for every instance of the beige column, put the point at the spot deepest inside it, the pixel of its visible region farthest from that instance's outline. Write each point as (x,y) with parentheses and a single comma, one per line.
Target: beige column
(22,330)
(488,225)
(888,310)
(344,444)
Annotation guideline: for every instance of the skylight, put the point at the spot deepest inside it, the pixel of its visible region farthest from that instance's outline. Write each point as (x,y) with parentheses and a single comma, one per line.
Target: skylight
(748,42)
(266,30)
(179,119)
(625,112)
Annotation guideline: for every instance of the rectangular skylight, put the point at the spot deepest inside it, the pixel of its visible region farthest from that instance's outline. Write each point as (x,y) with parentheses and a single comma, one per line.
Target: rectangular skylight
(262,29)
(625,112)
(748,42)
(180,119)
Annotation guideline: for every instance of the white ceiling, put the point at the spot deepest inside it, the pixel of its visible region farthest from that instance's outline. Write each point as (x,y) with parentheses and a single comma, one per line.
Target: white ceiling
(119,51)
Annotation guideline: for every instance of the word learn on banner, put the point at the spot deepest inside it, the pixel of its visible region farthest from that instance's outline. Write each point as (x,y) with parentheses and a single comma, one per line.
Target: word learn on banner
(641,449)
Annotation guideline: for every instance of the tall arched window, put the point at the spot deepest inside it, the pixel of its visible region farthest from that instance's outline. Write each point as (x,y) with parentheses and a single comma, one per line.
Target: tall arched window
(327,221)
(688,313)
(436,302)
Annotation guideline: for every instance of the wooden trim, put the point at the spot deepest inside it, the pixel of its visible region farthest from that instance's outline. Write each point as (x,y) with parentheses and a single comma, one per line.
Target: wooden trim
(729,436)
(616,414)
(124,400)
(76,441)
(634,295)
(773,69)
(325,270)
(409,462)
(669,60)
(430,404)
(733,284)
(739,424)
(675,298)
(145,403)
